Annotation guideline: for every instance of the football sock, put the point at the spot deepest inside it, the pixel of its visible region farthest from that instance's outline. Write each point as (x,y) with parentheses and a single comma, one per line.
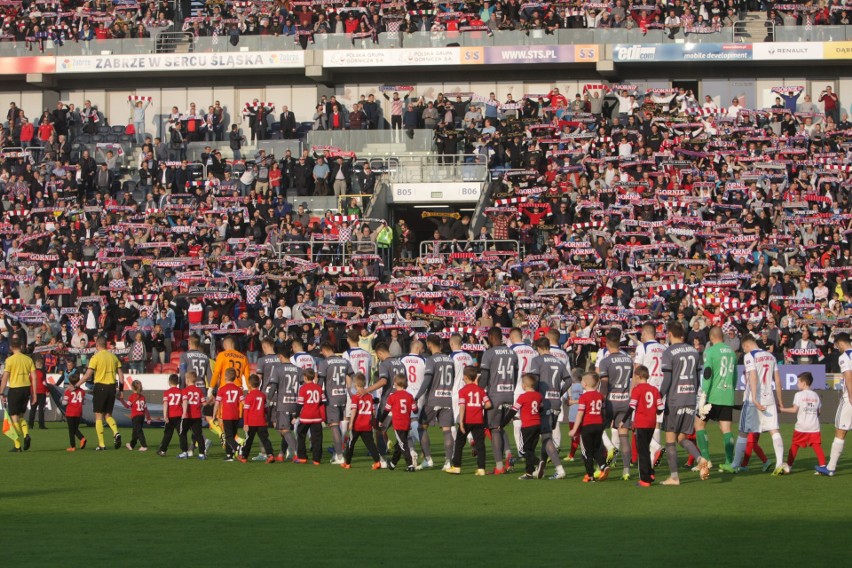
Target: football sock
(820,455)
(290,440)
(703,443)
(507,446)
(556,436)
(449,443)
(112,425)
(671,457)
(739,451)
(25,428)
(607,442)
(519,440)
(791,455)
(624,442)
(284,444)
(336,441)
(691,448)
(426,444)
(550,449)
(729,446)
(836,450)
(16,426)
(497,448)
(99,428)
(214,428)
(778,446)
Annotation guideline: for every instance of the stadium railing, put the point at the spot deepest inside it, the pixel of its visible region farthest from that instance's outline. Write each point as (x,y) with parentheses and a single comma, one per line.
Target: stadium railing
(342,251)
(445,248)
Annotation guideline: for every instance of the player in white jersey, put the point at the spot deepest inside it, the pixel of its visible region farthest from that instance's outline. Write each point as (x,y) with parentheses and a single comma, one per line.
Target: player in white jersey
(525,355)
(415,372)
(461,359)
(760,412)
(361,362)
(649,353)
(843,418)
(301,359)
(553,336)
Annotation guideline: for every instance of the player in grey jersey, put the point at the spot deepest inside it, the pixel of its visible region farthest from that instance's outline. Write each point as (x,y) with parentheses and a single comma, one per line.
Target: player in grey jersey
(389,367)
(498,376)
(553,377)
(680,389)
(616,372)
(266,362)
(282,390)
(437,386)
(335,376)
(195,360)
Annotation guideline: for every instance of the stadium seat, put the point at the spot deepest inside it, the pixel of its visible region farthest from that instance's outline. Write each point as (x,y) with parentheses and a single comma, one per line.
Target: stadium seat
(119,129)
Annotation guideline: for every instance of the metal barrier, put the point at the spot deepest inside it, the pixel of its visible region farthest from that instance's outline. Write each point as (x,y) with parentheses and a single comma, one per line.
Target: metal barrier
(478,246)
(432,168)
(338,252)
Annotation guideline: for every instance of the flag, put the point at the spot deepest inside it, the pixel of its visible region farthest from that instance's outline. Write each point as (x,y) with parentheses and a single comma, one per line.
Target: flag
(7,428)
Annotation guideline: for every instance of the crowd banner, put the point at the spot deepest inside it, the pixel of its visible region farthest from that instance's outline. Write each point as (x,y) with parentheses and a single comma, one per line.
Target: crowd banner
(180,62)
(789,374)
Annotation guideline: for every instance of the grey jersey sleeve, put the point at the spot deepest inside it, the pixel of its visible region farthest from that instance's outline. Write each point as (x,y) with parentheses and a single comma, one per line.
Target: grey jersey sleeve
(485,369)
(428,377)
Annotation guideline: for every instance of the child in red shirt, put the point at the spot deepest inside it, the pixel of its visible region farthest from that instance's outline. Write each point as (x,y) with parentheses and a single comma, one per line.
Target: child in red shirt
(172,412)
(254,420)
(361,423)
(589,423)
(229,399)
(473,401)
(528,405)
(311,414)
(645,404)
(138,415)
(192,399)
(72,400)
(401,405)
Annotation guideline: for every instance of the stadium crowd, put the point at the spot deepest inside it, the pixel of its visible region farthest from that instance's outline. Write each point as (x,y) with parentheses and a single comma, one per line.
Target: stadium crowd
(628,209)
(42,23)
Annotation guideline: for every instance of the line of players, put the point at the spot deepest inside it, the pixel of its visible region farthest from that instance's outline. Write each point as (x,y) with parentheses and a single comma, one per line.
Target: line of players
(436,381)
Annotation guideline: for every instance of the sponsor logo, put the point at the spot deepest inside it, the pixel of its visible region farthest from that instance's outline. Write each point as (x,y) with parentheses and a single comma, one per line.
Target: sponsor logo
(635,53)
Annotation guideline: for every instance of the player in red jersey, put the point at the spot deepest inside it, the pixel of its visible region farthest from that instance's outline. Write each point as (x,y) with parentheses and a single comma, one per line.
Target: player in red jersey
(473,402)
(310,411)
(172,412)
(192,401)
(254,419)
(72,400)
(589,423)
(229,400)
(363,410)
(528,405)
(645,404)
(401,406)
(139,415)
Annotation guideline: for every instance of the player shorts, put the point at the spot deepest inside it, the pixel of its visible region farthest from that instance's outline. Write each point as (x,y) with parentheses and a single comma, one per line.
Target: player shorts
(753,420)
(494,417)
(806,439)
(843,418)
(680,420)
(549,422)
(207,411)
(440,416)
(103,400)
(335,413)
(616,414)
(284,420)
(720,413)
(18,399)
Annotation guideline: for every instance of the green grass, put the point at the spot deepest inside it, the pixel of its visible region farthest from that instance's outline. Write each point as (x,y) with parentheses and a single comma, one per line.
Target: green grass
(121,508)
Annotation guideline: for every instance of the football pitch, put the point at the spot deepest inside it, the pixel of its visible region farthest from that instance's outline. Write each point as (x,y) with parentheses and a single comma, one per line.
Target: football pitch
(137,509)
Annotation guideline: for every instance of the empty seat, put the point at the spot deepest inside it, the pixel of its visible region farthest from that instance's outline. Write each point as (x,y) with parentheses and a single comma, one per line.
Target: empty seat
(118,129)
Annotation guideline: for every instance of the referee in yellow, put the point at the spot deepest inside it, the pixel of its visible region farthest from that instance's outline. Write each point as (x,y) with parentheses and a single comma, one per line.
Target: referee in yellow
(20,377)
(106,368)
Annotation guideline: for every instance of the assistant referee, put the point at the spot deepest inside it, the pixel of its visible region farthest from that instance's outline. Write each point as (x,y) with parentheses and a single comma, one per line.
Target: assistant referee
(109,380)
(20,376)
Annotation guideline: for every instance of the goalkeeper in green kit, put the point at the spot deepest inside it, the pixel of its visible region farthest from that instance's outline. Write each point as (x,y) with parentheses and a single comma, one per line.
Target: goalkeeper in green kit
(716,399)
